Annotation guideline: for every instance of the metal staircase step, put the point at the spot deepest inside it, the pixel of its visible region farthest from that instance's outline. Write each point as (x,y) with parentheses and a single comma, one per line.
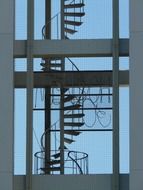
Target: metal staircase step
(55,168)
(74,23)
(57,155)
(67,38)
(69,98)
(55,65)
(73,124)
(54,162)
(43,64)
(72,107)
(64,147)
(69,141)
(70,31)
(74,14)
(72,132)
(65,90)
(55,58)
(76,5)
(51,169)
(78,115)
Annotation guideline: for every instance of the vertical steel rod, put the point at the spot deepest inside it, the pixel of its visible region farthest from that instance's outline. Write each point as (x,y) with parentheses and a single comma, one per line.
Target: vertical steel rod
(47,92)
(29,121)
(62,96)
(115,178)
(62,20)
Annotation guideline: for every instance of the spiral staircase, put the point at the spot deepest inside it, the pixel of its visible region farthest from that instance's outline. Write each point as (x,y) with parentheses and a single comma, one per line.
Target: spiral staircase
(72,116)
(73,13)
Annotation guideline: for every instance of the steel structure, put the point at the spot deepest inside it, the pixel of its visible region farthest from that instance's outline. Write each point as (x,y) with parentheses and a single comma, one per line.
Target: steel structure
(62,167)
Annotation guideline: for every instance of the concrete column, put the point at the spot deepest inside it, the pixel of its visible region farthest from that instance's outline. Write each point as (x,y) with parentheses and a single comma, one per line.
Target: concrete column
(6,94)
(136,95)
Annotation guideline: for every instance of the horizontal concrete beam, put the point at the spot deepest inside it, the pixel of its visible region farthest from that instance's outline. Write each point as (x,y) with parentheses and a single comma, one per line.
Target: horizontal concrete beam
(70,182)
(71,48)
(70,79)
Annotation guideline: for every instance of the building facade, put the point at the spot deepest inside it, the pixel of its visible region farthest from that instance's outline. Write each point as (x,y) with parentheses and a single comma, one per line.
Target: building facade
(67,101)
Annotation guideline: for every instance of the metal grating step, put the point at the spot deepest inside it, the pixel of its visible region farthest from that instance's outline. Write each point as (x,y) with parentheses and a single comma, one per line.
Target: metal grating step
(73,124)
(51,169)
(74,14)
(69,98)
(79,115)
(70,31)
(67,38)
(72,132)
(54,162)
(76,5)
(57,155)
(64,147)
(72,107)
(69,141)
(65,90)
(55,65)
(74,23)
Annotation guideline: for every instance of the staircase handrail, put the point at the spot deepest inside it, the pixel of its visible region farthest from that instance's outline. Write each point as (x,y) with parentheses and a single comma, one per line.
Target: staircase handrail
(75,160)
(43,28)
(40,156)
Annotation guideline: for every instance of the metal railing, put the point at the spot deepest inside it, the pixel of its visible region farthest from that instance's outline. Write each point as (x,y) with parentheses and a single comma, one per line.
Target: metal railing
(75,163)
(80,162)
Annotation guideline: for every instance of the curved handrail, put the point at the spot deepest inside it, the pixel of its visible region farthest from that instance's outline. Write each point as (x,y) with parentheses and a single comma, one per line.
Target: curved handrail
(40,155)
(82,91)
(76,159)
(45,132)
(44,27)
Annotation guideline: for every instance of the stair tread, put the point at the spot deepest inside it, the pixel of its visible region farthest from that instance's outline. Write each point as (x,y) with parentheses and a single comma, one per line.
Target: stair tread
(55,65)
(69,98)
(69,141)
(54,162)
(74,124)
(69,30)
(72,132)
(67,38)
(78,115)
(50,169)
(75,5)
(56,155)
(72,107)
(74,23)
(65,90)
(64,147)
(74,14)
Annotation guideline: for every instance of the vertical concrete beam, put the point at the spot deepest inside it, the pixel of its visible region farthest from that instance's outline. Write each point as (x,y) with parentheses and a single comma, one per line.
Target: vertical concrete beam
(6,94)
(115,178)
(29,95)
(136,95)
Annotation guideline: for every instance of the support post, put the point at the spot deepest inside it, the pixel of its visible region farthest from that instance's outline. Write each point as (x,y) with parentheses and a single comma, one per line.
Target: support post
(115,178)
(62,97)
(47,93)
(6,94)
(136,95)
(29,121)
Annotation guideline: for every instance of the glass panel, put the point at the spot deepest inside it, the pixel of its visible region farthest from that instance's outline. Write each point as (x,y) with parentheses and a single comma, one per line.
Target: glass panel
(20,132)
(124,63)
(98,146)
(124,18)
(39,18)
(20,64)
(20,19)
(124,130)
